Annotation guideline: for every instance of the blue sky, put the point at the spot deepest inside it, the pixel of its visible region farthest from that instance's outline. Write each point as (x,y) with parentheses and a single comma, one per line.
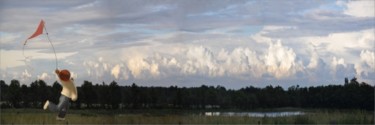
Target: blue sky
(232,43)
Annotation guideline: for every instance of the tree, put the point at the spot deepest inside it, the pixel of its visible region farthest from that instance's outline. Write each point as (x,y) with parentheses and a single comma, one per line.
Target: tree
(353,95)
(135,96)
(346,81)
(44,92)
(77,104)
(103,95)
(25,97)
(3,93)
(115,95)
(14,93)
(354,81)
(89,95)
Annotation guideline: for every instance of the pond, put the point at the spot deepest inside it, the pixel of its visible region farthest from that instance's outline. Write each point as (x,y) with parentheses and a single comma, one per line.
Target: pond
(256,114)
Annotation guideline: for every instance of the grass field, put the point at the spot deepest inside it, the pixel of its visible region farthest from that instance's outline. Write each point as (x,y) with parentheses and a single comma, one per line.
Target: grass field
(36,116)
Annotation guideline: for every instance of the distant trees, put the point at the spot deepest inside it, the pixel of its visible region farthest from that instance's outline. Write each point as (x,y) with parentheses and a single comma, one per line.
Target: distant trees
(14,93)
(89,96)
(351,95)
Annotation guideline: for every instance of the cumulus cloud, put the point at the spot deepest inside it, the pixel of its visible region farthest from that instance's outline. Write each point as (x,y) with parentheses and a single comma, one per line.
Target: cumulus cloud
(366,64)
(26,74)
(96,68)
(281,61)
(44,76)
(116,71)
(137,65)
(200,60)
(278,61)
(154,69)
(241,61)
(342,44)
(338,66)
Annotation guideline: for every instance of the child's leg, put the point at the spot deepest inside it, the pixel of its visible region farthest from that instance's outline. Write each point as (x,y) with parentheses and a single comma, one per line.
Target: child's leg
(63,106)
(52,107)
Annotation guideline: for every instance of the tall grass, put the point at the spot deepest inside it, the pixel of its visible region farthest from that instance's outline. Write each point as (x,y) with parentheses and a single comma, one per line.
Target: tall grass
(36,116)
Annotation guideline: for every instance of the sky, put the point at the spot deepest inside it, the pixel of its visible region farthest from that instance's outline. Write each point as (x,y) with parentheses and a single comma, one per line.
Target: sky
(187,43)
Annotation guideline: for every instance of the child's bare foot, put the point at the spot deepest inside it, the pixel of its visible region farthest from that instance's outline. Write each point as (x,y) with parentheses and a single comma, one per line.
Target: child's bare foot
(46,105)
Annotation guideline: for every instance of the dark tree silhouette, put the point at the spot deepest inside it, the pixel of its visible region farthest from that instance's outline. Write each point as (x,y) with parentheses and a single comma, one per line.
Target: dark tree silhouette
(89,96)
(115,95)
(351,95)
(14,93)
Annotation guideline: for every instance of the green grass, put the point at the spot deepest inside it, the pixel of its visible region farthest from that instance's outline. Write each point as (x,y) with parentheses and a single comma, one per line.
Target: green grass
(312,116)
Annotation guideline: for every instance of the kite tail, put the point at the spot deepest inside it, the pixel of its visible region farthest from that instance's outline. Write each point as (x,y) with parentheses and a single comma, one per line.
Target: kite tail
(52,47)
(26,58)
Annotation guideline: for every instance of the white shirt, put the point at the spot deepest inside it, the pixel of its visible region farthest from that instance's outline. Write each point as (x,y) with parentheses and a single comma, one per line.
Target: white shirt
(69,89)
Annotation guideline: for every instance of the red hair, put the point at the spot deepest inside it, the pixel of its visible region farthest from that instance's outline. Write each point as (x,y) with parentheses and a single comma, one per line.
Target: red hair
(64,75)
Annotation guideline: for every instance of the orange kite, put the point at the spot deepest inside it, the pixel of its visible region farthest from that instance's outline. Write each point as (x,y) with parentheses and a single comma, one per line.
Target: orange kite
(38,31)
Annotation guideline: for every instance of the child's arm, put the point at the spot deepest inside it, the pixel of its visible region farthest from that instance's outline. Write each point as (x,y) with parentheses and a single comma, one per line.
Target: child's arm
(74,93)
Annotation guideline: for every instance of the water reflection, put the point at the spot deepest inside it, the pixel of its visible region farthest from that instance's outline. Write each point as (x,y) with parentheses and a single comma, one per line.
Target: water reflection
(255,114)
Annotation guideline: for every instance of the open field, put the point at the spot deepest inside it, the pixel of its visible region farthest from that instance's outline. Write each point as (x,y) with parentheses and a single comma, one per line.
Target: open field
(36,116)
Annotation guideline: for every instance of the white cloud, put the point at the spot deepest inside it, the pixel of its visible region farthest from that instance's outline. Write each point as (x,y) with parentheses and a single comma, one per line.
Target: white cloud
(241,61)
(73,75)
(336,62)
(336,65)
(360,8)
(342,44)
(15,58)
(116,71)
(199,60)
(25,75)
(366,64)
(136,65)
(314,60)
(272,28)
(154,69)
(281,61)
(44,76)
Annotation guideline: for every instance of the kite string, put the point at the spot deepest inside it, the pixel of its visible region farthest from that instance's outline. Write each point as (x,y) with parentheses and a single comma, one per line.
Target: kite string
(51,45)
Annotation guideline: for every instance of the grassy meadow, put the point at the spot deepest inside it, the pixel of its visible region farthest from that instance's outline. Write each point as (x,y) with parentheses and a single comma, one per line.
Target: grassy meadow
(164,116)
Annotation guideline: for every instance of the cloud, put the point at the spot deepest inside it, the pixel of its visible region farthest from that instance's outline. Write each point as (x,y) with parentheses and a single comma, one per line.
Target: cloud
(44,76)
(199,60)
(136,65)
(196,42)
(281,61)
(15,58)
(25,75)
(154,69)
(73,75)
(360,8)
(337,66)
(116,71)
(241,61)
(278,61)
(366,64)
(97,68)
(342,44)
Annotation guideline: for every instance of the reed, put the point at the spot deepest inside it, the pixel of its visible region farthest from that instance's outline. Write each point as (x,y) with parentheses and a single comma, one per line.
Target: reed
(35,116)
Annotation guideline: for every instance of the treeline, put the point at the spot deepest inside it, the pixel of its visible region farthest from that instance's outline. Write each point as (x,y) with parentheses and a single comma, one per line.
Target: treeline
(351,95)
